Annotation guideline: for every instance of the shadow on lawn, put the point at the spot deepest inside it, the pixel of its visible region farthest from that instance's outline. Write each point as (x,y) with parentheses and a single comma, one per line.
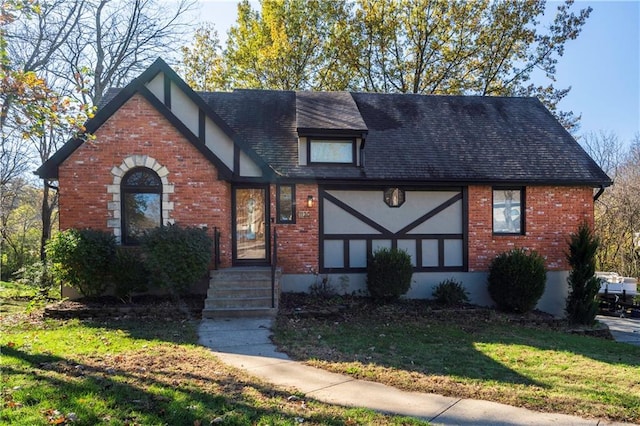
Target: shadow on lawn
(96,393)
(418,340)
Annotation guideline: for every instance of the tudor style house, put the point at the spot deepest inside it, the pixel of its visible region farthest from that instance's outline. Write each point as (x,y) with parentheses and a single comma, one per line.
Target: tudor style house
(453,180)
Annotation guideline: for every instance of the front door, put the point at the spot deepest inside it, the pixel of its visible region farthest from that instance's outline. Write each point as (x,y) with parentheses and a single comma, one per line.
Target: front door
(251,226)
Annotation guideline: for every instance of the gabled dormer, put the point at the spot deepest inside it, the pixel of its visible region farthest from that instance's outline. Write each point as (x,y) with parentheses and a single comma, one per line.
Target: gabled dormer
(330,129)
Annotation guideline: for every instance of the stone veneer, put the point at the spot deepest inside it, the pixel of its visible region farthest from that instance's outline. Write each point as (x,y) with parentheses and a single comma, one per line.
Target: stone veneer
(115,205)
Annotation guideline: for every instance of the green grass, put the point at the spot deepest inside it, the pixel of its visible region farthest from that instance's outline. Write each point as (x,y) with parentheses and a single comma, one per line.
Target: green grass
(16,297)
(140,373)
(483,358)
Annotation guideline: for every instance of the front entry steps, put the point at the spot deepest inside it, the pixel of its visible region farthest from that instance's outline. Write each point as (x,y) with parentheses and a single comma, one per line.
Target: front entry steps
(242,292)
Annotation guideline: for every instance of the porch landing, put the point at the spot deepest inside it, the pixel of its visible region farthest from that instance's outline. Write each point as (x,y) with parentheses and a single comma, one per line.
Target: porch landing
(242,292)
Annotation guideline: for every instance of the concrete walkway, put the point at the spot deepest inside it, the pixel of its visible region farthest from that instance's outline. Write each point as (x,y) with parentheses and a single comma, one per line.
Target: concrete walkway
(246,344)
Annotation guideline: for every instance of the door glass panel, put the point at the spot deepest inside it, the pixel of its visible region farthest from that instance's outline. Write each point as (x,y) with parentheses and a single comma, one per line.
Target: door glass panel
(250,224)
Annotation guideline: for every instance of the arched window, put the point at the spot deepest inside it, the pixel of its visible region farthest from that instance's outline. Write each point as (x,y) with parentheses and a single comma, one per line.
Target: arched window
(141,191)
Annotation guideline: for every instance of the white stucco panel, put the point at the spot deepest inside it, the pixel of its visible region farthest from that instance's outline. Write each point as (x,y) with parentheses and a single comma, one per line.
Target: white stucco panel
(185,109)
(248,167)
(338,221)
(219,143)
(156,86)
(417,203)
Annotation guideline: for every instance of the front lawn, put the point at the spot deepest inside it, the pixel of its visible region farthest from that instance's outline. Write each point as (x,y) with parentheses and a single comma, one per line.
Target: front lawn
(481,355)
(140,372)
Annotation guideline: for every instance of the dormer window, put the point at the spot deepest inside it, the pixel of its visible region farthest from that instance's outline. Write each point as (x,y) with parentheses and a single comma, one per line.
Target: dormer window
(331,151)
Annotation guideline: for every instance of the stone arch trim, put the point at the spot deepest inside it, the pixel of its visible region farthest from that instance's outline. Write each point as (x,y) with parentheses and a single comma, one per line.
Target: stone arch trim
(114,206)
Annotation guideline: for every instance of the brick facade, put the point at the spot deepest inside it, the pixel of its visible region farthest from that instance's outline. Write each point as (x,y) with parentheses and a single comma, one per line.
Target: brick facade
(194,197)
(298,242)
(137,134)
(552,213)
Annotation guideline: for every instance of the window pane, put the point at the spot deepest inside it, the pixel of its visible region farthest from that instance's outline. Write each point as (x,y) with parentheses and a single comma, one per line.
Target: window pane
(141,177)
(506,211)
(334,254)
(331,151)
(142,212)
(285,204)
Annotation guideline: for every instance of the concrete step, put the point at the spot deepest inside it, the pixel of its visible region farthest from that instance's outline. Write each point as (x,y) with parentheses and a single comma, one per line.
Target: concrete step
(242,302)
(232,284)
(239,313)
(242,274)
(241,292)
(223,293)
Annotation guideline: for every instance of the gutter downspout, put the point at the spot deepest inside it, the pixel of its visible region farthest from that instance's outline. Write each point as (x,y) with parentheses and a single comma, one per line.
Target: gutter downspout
(599,193)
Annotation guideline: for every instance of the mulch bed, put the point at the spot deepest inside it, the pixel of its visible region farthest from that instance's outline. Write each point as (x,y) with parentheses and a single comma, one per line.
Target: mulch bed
(302,305)
(143,307)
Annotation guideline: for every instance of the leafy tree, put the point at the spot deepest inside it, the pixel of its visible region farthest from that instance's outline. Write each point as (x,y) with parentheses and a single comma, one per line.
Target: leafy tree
(617,215)
(582,305)
(288,45)
(19,219)
(203,65)
(58,58)
(617,210)
(118,39)
(466,47)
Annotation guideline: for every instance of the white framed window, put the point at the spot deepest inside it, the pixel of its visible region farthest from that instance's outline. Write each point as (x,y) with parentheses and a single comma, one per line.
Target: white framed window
(508,211)
(332,151)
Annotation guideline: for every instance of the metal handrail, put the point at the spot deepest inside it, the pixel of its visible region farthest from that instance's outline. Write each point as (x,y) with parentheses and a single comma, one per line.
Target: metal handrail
(216,248)
(274,264)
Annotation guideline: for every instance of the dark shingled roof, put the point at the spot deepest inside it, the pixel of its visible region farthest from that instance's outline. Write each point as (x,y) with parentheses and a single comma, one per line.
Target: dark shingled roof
(409,138)
(414,137)
(332,112)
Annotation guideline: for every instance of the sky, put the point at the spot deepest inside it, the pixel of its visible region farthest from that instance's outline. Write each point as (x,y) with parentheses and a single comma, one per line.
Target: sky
(602,65)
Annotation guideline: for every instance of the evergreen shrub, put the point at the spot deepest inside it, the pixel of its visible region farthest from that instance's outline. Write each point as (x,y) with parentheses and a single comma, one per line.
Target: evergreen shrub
(130,274)
(176,257)
(582,305)
(389,273)
(82,259)
(517,279)
(450,293)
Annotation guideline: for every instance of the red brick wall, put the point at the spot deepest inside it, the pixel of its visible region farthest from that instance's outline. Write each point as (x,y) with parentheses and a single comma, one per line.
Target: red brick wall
(199,198)
(552,213)
(298,242)
(138,128)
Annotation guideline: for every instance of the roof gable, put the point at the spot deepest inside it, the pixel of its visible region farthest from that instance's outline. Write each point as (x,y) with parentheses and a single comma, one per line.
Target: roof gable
(410,138)
(192,117)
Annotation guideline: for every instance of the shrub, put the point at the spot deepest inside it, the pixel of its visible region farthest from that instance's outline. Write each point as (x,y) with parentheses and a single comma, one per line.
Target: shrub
(130,274)
(37,275)
(516,280)
(176,257)
(82,259)
(450,293)
(389,274)
(582,306)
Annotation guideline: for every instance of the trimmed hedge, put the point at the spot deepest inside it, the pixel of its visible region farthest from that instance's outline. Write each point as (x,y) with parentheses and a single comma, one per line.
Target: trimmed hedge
(389,273)
(130,274)
(517,280)
(83,259)
(176,256)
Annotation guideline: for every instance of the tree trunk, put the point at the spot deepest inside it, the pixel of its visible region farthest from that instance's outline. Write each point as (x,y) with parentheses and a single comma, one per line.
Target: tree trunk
(47,211)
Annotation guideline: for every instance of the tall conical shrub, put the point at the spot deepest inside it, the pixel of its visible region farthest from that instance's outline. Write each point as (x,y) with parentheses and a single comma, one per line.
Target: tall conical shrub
(582,305)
